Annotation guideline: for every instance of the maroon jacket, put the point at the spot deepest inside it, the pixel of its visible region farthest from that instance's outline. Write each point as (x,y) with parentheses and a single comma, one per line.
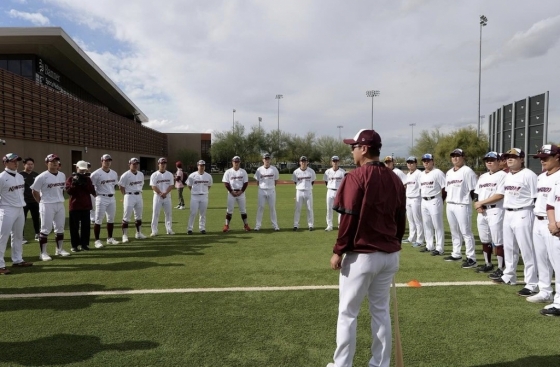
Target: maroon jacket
(372,201)
(80,195)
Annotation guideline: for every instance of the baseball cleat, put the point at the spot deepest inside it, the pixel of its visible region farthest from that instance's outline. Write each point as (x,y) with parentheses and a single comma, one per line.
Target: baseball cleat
(124,238)
(23,242)
(486,268)
(75,249)
(525,292)
(437,253)
(4,271)
(189,232)
(247,228)
(552,311)
(98,244)
(540,298)
(406,240)
(170,232)
(468,264)
(416,244)
(295,229)
(177,207)
(424,249)
(181,207)
(112,241)
(329,228)
(36,237)
(226,228)
(310,229)
(153,234)
(496,275)
(62,253)
(22,264)
(45,257)
(139,236)
(451,258)
(276,229)
(203,231)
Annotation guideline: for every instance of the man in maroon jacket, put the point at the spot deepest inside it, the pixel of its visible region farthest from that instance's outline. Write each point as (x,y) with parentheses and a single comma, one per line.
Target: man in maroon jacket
(79,187)
(372,203)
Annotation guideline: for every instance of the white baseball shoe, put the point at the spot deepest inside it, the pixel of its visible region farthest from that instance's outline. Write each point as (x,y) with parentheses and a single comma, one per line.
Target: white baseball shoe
(329,228)
(124,238)
(331,365)
(23,242)
(540,298)
(98,244)
(153,234)
(45,257)
(177,207)
(139,236)
(181,207)
(62,253)
(112,241)
(170,232)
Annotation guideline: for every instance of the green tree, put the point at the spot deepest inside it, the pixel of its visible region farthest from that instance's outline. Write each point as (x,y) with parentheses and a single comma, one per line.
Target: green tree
(327,146)
(298,146)
(189,158)
(465,139)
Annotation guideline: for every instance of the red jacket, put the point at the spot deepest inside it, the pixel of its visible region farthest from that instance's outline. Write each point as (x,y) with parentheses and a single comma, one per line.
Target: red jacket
(80,194)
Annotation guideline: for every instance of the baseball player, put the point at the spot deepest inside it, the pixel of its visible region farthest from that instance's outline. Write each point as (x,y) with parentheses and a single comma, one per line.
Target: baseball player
(432,191)
(553,213)
(104,180)
(48,191)
(30,204)
(303,178)
(333,177)
(236,181)
(131,184)
(92,197)
(267,176)
(389,162)
(460,183)
(520,191)
(199,183)
(162,184)
(413,202)
(179,184)
(542,238)
(12,220)
(490,209)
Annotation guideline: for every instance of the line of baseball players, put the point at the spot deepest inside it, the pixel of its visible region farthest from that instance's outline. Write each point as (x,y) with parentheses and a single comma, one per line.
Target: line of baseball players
(518,212)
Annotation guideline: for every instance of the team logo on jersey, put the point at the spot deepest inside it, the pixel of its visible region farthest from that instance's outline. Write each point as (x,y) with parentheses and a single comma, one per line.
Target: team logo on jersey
(490,184)
(544,189)
(162,181)
(454,182)
(267,176)
(58,184)
(427,183)
(556,198)
(200,182)
(18,187)
(136,183)
(108,182)
(236,178)
(512,188)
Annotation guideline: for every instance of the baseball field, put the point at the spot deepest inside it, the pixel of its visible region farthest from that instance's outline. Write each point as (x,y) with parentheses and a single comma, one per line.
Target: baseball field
(251,299)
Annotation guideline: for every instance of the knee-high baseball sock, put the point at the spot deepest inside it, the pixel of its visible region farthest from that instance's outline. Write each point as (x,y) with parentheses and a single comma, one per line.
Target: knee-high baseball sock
(124,227)
(138,225)
(43,243)
(487,250)
(59,240)
(500,256)
(244,218)
(96,231)
(110,230)
(228,219)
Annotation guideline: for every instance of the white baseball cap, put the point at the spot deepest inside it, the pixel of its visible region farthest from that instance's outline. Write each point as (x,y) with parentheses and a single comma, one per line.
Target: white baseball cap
(82,165)
(106,157)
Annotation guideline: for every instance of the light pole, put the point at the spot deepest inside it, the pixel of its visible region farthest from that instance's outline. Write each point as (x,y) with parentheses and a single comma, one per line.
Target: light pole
(339,127)
(372,94)
(412,126)
(278,97)
(483,22)
(233,122)
(260,120)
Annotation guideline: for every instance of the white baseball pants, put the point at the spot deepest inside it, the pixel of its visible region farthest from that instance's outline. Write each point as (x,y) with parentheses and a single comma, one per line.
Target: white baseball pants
(555,260)
(12,222)
(52,214)
(241,203)
(105,206)
(92,211)
(158,204)
(132,204)
(267,196)
(365,274)
(459,218)
(199,204)
(414,216)
(432,219)
(304,196)
(490,226)
(518,228)
(542,242)
(331,194)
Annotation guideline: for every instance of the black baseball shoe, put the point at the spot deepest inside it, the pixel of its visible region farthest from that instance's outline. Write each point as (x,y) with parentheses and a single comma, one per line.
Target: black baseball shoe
(437,253)
(552,311)
(310,229)
(424,249)
(485,268)
(526,292)
(468,264)
(203,231)
(189,232)
(451,258)
(496,275)
(295,229)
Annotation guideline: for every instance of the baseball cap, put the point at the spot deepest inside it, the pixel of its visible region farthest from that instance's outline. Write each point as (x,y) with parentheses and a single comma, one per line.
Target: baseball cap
(365,137)
(236,159)
(303,158)
(133,160)
(162,160)
(52,157)
(457,152)
(179,164)
(548,150)
(11,157)
(335,158)
(201,163)
(514,153)
(491,155)
(82,165)
(388,159)
(266,155)
(427,157)
(411,159)
(106,157)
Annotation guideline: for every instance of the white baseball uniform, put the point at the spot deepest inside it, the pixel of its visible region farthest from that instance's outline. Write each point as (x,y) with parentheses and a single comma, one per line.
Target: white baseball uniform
(132,183)
(199,184)
(12,219)
(458,185)
(400,174)
(553,200)
(490,222)
(51,208)
(414,207)
(542,239)
(162,180)
(431,185)
(236,180)
(105,203)
(266,179)
(333,179)
(519,190)
(304,193)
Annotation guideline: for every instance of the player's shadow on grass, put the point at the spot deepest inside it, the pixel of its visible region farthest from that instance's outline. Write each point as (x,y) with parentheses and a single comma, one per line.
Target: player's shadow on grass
(65,265)
(532,361)
(62,349)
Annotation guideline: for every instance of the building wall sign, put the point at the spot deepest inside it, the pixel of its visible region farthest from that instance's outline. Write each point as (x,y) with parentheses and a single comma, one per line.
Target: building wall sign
(47,76)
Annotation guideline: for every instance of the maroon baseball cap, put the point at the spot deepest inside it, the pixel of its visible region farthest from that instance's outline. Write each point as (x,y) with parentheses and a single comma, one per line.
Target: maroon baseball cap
(365,137)
(548,150)
(51,158)
(162,160)
(457,153)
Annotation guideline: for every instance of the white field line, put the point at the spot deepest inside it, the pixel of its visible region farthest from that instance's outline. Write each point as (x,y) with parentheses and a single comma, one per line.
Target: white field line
(209,290)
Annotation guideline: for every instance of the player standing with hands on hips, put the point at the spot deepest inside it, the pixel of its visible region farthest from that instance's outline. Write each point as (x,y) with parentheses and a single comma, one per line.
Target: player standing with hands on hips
(162,184)
(332,177)
(267,176)
(199,182)
(304,177)
(372,203)
(131,184)
(104,180)
(236,181)
(12,219)
(48,190)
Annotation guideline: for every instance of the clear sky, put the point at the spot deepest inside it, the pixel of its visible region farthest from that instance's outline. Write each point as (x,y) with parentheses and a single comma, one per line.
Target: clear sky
(188,64)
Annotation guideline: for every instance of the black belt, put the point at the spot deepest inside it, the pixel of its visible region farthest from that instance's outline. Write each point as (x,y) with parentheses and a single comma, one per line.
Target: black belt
(429,197)
(333,189)
(134,193)
(108,195)
(541,218)
(516,209)
(488,206)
